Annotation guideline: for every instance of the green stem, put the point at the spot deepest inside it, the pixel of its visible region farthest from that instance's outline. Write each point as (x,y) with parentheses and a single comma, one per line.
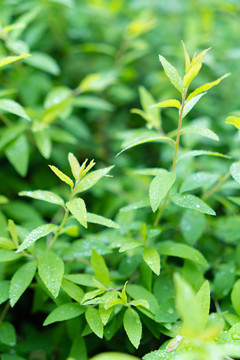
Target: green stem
(4,312)
(162,207)
(216,186)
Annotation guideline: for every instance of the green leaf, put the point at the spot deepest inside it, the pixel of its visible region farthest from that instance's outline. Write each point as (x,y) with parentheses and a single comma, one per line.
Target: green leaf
(78,349)
(148,136)
(43,143)
(101,220)
(4,293)
(18,154)
(36,234)
(13,107)
(194,153)
(152,259)
(81,279)
(192,226)
(51,269)
(78,209)
(233,120)
(61,175)
(64,312)
(3,199)
(75,167)
(190,104)
(206,86)
(159,188)
(9,59)
(99,267)
(133,326)
(7,334)
(92,296)
(91,179)
(92,102)
(235,171)
(235,297)
(151,114)
(21,280)
(200,131)
(192,202)
(191,74)
(94,321)
(224,279)
(43,62)
(11,133)
(172,74)
(96,82)
(130,245)
(13,231)
(44,195)
(168,103)
(187,58)
(203,297)
(166,312)
(197,180)
(8,255)
(114,356)
(184,251)
(74,291)
(138,292)
(5,243)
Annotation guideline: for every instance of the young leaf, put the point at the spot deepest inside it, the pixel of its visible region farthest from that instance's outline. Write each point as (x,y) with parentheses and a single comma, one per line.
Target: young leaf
(51,269)
(75,167)
(101,220)
(61,175)
(159,188)
(99,267)
(36,234)
(233,120)
(150,114)
(21,280)
(235,296)
(133,326)
(91,179)
(9,59)
(13,231)
(64,312)
(187,59)
(172,74)
(13,107)
(192,202)
(203,297)
(235,171)
(206,87)
(78,209)
(44,195)
(7,334)
(190,104)
(191,74)
(152,259)
(168,103)
(94,321)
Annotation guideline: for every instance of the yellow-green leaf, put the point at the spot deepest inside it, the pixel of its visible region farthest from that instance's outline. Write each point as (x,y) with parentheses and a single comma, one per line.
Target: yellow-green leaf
(13,231)
(61,175)
(9,59)
(99,267)
(191,74)
(187,59)
(172,74)
(234,120)
(203,297)
(152,259)
(75,167)
(206,86)
(169,103)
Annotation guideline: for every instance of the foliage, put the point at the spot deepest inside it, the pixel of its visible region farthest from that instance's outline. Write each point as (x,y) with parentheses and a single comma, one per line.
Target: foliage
(144,264)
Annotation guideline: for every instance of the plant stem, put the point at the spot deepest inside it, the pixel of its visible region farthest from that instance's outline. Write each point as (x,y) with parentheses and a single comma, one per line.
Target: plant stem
(216,186)
(4,312)
(162,207)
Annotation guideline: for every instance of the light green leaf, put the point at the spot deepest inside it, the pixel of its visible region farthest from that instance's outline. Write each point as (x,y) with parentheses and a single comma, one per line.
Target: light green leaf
(148,136)
(235,199)
(92,296)
(235,296)
(159,188)
(13,231)
(168,103)
(13,107)
(152,259)
(78,209)
(136,205)
(138,292)
(21,280)
(44,195)
(81,279)
(233,120)
(172,74)
(192,202)
(5,243)
(151,114)
(192,226)
(191,74)
(18,154)
(114,356)
(8,255)
(43,62)
(187,58)
(43,143)
(7,334)
(235,171)
(11,133)
(194,153)
(61,175)
(3,199)
(9,59)
(99,267)
(94,321)
(91,179)
(206,86)
(133,326)
(200,131)
(184,251)
(101,220)
(224,279)
(203,297)
(130,245)
(4,293)
(36,234)
(197,180)
(96,82)
(92,102)
(190,104)
(75,167)
(64,312)
(74,291)
(51,269)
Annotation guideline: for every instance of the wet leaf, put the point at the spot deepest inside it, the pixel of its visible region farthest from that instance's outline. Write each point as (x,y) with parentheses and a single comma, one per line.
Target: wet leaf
(64,312)
(172,74)
(75,167)
(101,220)
(61,175)
(36,234)
(235,171)
(197,180)
(74,291)
(99,267)
(94,321)
(91,179)
(133,326)
(159,188)
(200,131)
(44,195)
(152,259)
(4,293)
(78,209)
(168,103)
(192,202)
(190,104)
